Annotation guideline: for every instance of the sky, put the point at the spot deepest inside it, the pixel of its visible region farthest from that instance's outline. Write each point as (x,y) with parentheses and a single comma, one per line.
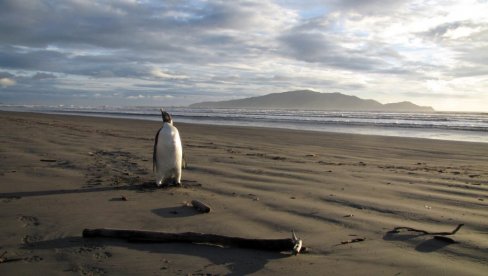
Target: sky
(179,52)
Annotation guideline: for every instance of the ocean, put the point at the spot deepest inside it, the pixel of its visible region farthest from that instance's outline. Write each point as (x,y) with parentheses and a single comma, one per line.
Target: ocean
(455,126)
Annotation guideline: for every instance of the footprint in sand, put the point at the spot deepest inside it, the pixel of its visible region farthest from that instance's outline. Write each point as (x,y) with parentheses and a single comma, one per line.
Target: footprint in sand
(9,199)
(28,239)
(100,256)
(87,249)
(89,270)
(33,259)
(114,168)
(29,220)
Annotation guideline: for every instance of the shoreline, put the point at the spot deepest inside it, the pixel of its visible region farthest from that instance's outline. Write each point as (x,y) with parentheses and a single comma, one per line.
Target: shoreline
(442,128)
(61,174)
(217,125)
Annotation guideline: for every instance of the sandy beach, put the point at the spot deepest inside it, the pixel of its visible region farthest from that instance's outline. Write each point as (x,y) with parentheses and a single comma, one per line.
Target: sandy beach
(341,194)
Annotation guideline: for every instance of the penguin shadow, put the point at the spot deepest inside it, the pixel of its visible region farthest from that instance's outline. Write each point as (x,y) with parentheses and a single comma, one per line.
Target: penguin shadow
(144,187)
(431,244)
(239,261)
(175,212)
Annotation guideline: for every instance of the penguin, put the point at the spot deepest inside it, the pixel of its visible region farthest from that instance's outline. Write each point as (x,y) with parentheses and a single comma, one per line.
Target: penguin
(167,153)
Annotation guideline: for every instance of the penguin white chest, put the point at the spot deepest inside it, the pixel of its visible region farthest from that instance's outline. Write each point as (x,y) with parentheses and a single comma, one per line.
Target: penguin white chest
(168,155)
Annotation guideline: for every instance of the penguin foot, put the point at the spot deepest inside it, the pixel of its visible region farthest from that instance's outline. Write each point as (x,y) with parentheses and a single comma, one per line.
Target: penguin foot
(169,182)
(176,183)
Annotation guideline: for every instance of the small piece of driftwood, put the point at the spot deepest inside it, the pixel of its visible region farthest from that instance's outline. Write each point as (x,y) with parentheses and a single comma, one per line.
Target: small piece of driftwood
(4,259)
(351,241)
(48,160)
(200,206)
(294,244)
(399,229)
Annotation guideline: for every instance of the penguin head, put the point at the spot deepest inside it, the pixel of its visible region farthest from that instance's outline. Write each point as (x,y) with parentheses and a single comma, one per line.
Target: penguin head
(166,117)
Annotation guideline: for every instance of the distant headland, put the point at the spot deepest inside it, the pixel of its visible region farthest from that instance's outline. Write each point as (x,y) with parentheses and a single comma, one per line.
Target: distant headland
(311,100)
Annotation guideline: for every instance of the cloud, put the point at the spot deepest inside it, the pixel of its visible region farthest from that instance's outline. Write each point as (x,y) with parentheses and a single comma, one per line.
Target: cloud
(6,82)
(325,42)
(454,31)
(43,76)
(157,72)
(136,97)
(205,50)
(6,75)
(369,7)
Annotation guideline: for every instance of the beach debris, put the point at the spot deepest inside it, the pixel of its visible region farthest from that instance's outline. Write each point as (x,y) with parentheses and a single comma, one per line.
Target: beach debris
(298,243)
(278,158)
(4,259)
(49,160)
(200,206)
(348,216)
(351,241)
(399,229)
(253,197)
(119,198)
(293,244)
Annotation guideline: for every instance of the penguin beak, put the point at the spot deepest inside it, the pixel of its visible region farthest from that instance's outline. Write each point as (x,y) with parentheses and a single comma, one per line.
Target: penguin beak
(166,117)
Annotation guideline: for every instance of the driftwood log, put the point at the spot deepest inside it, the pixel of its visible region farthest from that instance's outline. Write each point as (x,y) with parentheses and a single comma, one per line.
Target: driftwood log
(294,244)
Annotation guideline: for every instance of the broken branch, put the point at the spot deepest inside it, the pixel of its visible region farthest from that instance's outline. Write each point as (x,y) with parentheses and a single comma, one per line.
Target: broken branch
(351,241)
(7,260)
(398,230)
(48,160)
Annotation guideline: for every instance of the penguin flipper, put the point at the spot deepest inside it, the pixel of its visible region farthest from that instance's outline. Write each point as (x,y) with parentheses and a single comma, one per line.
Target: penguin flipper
(155,151)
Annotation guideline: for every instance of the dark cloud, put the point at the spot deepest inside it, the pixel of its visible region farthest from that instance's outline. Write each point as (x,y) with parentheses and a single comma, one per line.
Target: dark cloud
(113,39)
(43,76)
(53,61)
(6,75)
(38,60)
(368,7)
(169,32)
(468,32)
(439,31)
(467,39)
(325,49)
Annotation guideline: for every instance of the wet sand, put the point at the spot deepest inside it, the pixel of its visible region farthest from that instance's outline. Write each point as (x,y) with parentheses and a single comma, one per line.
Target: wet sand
(62,174)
